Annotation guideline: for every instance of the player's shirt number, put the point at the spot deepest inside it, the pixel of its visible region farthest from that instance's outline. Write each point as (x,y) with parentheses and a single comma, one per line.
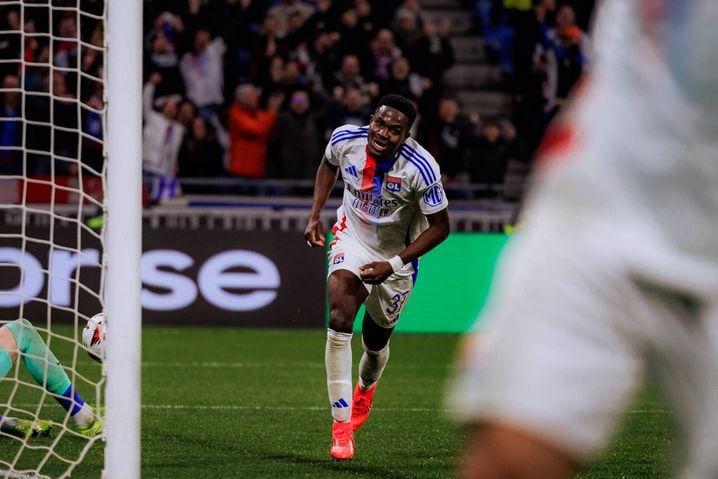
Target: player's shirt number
(396,303)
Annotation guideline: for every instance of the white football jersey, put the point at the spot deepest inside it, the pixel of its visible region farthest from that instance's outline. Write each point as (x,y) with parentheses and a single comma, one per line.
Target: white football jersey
(384,201)
(653,90)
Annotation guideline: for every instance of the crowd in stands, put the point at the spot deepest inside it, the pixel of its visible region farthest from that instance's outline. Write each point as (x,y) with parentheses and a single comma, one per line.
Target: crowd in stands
(541,47)
(253,89)
(52,90)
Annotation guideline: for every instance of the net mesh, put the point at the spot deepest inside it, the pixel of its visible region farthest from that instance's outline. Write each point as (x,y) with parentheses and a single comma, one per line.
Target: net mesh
(52,179)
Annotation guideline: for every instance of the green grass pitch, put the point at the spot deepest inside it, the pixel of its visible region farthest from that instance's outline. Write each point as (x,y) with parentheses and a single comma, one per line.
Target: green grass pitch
(247,403)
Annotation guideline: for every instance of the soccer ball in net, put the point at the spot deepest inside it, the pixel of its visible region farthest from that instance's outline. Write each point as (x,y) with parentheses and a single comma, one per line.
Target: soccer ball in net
(94,335)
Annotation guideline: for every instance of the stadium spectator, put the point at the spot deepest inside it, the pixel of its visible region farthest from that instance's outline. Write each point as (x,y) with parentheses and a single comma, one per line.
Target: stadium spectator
(161,140)
(64,114)
(92,154)
(408,24)
(493,21)
(298,139)
(370,261)
(349,76)
(450,139)
(265,45)
(531,72)
(200,156)
(325,19)
(565,20)
(567,58)
(284,10)
(489,154)
(353,39)
(384,52)
(431,56)
(11,130)
(348,107)
(249,131)
(20,339)
(39,53)
(365,12)
(243,19)
(186,113)
(65,46)
(171,27)
(324,62)
(202,71)
(163,59)
(403,81)
(10,42)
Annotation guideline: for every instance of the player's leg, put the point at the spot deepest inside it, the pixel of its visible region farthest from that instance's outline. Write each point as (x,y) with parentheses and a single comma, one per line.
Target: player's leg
(346,293)
(12,425)
(383,308)
(45,369)
(375,342)
(499,451)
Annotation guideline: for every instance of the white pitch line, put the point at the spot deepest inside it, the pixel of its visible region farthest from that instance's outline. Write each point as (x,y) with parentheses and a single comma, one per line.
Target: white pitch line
(281,408)
(312,408)
(323,408)
(213,365)
(259,365)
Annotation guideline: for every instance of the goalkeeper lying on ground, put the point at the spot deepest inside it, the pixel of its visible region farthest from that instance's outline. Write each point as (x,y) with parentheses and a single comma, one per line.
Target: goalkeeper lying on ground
(20,338)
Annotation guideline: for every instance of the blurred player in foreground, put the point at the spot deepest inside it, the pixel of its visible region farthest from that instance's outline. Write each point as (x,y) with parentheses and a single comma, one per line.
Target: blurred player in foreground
(615,272)
(394,210)
(20,338)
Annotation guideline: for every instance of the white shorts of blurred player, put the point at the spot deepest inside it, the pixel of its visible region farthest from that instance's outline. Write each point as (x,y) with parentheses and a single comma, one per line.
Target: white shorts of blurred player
(387,300)
(579,316)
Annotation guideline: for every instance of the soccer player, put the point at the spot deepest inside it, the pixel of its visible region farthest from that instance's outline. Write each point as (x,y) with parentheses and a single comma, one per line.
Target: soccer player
(20,338)
(394,210)
(615,272)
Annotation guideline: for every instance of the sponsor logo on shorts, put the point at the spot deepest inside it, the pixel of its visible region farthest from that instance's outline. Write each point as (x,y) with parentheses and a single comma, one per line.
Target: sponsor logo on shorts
(338,259)
(434,196)
(393,183)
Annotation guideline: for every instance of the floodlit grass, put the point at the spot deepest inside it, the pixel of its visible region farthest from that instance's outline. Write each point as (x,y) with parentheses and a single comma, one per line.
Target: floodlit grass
(245,403)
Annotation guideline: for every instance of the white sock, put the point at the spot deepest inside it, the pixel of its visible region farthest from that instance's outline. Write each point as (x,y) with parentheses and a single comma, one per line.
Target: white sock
(84,417)
(371,365)
(338,361)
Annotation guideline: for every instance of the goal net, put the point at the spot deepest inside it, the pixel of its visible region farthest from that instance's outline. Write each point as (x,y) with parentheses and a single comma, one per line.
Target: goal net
(53,222)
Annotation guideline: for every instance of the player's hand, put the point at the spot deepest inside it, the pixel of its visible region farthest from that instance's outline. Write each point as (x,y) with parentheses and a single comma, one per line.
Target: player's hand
(375,272)
(314,233)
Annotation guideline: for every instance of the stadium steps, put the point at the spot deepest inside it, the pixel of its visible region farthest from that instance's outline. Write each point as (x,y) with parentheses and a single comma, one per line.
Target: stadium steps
(473,79)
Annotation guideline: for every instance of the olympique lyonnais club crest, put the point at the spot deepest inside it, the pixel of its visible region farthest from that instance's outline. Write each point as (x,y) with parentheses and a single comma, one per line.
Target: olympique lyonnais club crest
(393,183)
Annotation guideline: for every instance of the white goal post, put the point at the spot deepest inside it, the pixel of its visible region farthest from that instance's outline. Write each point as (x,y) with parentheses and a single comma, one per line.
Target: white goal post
(124,237)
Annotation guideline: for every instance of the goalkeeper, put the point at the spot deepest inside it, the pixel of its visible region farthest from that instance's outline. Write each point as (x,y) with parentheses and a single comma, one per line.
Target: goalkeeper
(19,338)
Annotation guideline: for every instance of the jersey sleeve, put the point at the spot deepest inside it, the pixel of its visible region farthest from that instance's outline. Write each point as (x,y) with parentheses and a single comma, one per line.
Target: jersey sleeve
(432,198)
(333,149)
(430,191)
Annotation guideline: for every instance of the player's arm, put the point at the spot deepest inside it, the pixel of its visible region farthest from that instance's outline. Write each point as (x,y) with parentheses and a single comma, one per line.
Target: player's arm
(323,184)
(377,271)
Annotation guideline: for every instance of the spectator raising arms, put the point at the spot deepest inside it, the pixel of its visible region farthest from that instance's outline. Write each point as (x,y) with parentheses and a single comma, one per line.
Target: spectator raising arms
(249,130)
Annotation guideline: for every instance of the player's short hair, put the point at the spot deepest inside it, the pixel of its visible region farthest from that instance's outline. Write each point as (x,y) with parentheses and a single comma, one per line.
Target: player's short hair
(400,103)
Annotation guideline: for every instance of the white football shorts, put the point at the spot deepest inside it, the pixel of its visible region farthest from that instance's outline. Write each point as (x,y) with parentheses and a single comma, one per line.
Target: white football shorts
(387,300)
(579,315)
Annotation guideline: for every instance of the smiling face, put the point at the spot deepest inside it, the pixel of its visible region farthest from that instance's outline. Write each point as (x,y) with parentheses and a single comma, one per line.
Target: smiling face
(388,129)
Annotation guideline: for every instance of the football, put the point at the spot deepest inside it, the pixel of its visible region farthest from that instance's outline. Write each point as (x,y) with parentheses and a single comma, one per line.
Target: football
(94,335)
